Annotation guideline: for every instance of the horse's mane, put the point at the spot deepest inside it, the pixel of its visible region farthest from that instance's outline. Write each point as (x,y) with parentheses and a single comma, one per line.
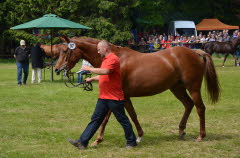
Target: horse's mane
(96,41)
(88,39)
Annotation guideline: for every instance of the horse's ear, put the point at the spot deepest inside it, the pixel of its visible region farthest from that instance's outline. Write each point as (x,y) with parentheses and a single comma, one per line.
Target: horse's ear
(64,38)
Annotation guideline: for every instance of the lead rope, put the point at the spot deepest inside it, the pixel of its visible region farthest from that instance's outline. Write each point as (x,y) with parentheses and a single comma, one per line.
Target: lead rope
(87,86)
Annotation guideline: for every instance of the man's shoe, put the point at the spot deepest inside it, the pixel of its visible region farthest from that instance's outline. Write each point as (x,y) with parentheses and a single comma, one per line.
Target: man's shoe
(128,146)
(77,144)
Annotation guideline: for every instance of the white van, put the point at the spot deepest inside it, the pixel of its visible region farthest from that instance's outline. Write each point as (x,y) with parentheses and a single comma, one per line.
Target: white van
(185,28)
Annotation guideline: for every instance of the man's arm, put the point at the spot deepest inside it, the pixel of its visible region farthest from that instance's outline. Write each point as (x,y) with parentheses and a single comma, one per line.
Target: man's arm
(95,78)
(15,52)
(98,71)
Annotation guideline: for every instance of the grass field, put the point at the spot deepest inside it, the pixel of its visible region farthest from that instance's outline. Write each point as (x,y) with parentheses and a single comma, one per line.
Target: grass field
(36,121)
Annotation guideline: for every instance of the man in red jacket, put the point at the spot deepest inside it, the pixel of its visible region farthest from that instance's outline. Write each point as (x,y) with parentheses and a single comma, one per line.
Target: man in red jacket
(111,97)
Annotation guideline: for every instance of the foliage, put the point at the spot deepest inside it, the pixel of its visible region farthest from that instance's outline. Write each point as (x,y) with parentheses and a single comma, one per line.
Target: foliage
(196,10)
(113,19)
(109,19)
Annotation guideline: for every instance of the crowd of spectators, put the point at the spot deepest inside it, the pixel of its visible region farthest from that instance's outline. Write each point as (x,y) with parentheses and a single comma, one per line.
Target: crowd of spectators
(150,42)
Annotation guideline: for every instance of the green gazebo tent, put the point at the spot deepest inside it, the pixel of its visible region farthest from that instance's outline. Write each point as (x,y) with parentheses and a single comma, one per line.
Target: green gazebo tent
(50,21)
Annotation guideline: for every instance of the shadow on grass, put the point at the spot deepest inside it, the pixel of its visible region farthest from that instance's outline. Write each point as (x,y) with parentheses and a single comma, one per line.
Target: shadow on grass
(115,142)
(225,65)
(213,136)
(55,81)
(159,139)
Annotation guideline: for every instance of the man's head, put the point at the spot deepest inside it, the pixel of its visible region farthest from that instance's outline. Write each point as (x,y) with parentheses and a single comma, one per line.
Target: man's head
(103,48)
(22,43)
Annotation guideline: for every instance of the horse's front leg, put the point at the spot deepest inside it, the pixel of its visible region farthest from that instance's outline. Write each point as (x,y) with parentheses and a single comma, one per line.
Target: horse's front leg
(131,111)
(102,129)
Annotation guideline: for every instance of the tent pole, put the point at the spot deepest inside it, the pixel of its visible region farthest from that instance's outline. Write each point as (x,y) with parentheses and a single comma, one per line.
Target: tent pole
(51,56)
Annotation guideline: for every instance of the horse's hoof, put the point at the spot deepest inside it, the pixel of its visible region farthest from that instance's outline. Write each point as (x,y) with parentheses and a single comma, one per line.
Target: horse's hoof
(95,143)
(139,139)
(182,136)
(223,66)
(199,139)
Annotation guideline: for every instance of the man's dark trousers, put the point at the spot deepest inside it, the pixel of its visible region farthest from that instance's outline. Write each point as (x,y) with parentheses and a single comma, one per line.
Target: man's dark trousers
(101,110)
(22,66)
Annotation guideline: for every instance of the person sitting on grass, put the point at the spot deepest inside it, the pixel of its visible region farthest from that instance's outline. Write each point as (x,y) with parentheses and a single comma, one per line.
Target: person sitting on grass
(82,72)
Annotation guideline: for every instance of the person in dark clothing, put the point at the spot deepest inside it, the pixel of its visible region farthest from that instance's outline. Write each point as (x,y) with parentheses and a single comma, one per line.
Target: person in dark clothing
(37,62)
(22,61)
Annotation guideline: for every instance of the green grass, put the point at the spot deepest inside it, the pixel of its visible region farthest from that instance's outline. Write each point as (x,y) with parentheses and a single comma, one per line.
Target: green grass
(36,120)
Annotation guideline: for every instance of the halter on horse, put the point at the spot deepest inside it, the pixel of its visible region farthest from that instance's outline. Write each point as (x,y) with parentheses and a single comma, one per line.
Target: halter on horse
(85,85)
(62,48)
(178,69)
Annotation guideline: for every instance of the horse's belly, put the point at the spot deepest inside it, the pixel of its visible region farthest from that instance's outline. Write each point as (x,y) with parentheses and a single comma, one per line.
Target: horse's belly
(149,87)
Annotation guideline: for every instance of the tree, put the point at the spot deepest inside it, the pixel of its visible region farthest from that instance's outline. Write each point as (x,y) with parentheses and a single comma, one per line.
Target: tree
(113,19)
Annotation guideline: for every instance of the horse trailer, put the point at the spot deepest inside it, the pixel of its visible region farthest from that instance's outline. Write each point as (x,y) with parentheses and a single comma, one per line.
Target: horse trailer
(185,28)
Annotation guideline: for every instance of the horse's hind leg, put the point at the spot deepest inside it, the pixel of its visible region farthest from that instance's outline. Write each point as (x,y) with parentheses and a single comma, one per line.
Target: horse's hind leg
(235,56)
(180,92)
(224,60)
(197,99)
(131,111)
(102,129)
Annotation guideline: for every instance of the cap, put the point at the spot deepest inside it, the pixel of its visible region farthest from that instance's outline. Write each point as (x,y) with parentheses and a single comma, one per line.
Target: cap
(22,43)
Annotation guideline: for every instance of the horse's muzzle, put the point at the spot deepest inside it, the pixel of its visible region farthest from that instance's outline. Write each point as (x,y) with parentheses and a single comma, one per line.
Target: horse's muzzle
(57,71)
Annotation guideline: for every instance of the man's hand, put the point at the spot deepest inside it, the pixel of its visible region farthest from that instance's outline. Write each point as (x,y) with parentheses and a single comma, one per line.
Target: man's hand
(87,68)
(95,78)
(88,80)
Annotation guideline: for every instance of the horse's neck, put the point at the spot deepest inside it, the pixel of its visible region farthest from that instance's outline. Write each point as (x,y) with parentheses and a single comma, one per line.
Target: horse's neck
(86,39)
(47,49)
(93,60)
(90,54)
(123,53)
(235,42)
(52,53)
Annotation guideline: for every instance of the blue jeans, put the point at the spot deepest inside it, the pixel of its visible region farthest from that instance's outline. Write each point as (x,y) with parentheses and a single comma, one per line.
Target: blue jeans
(101,110)
(80,75)
(237,53)
(22,67)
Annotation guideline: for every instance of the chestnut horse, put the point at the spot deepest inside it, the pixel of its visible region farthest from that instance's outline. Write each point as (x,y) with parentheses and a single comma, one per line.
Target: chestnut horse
(228,47)
(56,50)
(179,69)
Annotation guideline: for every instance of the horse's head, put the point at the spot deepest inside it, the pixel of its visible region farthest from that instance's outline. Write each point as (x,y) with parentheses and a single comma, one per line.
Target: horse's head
(67,57)
(86,48)
(235,41)
(56,50)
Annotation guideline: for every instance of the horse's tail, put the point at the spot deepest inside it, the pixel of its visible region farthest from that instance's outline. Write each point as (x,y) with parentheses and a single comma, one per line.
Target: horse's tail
(211,79)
